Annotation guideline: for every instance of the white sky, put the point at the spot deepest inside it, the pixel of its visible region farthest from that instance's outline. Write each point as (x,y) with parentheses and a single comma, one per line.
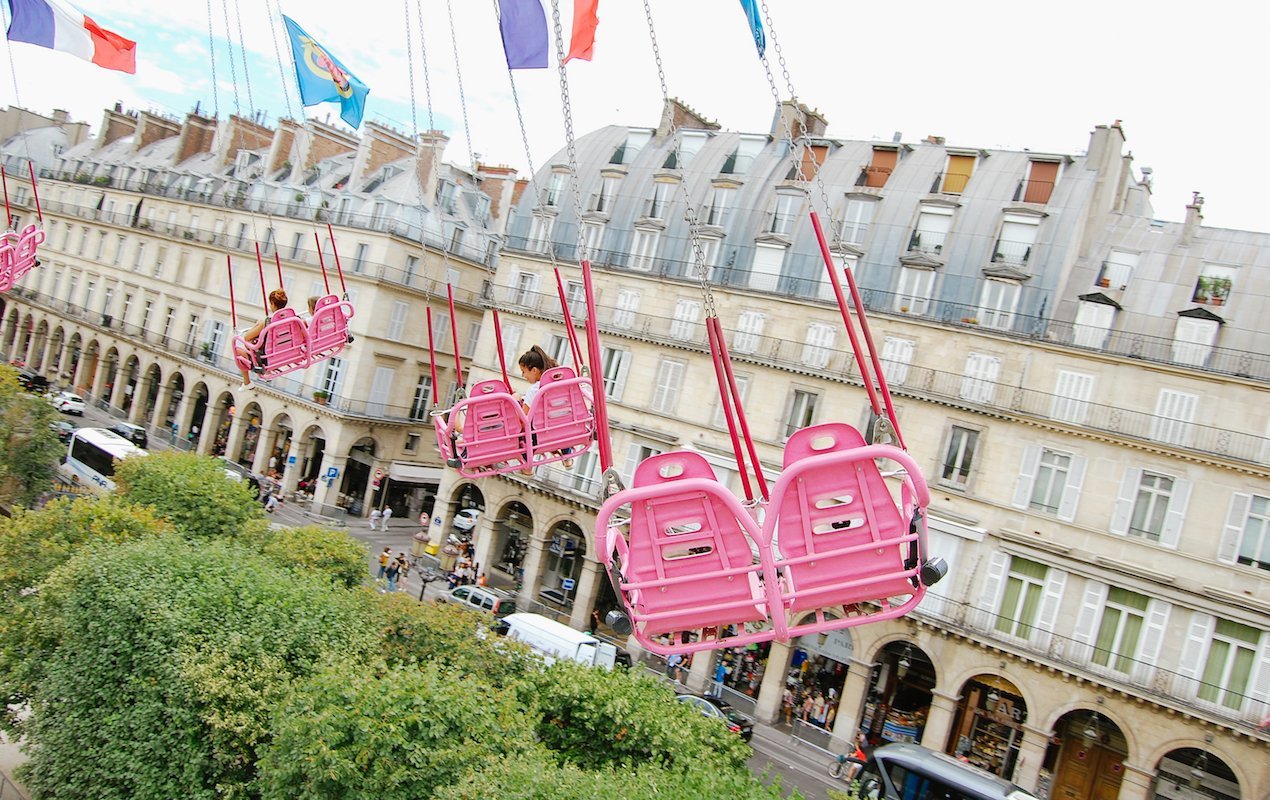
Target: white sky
(1185,79)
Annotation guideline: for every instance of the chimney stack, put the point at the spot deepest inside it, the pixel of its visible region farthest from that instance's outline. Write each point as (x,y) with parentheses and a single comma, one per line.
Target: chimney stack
(794,119)
(1194,218)
(197,135)
(114,126)
(499,183)
(152,128)
(428,161)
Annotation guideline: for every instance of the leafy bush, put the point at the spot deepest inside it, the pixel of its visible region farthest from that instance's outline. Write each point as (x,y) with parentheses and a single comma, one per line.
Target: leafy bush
(332,553)
(28,447)
(192,492)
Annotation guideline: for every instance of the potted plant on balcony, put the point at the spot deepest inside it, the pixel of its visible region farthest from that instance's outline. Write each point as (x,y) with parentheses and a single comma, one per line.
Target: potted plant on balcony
(321,397)
(205,351)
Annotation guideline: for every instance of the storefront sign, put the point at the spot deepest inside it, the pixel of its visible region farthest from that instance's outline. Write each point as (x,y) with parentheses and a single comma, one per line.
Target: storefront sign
(834,645)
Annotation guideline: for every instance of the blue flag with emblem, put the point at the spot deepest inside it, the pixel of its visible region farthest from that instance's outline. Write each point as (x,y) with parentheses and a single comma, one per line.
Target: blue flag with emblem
(323,79)
(756,25)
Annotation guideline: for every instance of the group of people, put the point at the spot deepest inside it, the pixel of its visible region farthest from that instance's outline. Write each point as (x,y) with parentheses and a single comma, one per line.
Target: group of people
(394,570)
(378,520)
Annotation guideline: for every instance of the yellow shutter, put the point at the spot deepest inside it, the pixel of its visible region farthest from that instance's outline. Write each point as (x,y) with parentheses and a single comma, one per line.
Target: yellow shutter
(960,168)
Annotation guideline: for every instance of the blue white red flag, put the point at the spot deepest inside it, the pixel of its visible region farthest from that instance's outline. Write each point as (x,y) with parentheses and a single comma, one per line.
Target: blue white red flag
(756,24)
(58,25)
(323,79)
(523,24)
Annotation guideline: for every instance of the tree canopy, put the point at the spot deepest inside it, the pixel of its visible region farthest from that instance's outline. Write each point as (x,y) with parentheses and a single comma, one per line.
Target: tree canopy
(192,492)
(28,447)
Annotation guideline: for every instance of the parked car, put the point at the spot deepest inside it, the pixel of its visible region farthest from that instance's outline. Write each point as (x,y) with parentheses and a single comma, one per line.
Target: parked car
(133,433)
(481,598)
(466,519)
(68,403)
(32,381)
(237,472)
(714,708)
(64,430)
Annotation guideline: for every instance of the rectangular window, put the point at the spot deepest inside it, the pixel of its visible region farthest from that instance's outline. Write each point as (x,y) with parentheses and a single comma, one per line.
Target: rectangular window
(380,388)
(266,247)
(957,174)
(119,243)
(881,166)
(749,332)
(409,269)
(784,214)
(802,411)
(979,380)
(1071,397)
(575,296)
(89,291)
(720,205)
(1251,529)
(397,322)
(897,354)
(1232,655)
(511,343)
(765,271)
(627,306)
(241,239)
(685,320)
(615,364)
(743,388)
(1021,601)
(635,454)
(602,201)
(191,334)
(658,205)
(1151,506)
(959,458)
(644,250)
(857,217)
(593,239)
(912,295)
(422,398)
(1214,285)
(1018,235)
(540,230)
(1093,323)
(359,258)
(525,290)
(818,346)
(1117,270)
(933,224)
(1193,340)
(1051,480)
(1174,412)
(558,348)
(553,195)
(101,246)
(1041,177)
(330,381)
(666,387)
(141,252)
(1119,632)
(83,241)
(216,337)
(167,321)
(997,304)
(160,256)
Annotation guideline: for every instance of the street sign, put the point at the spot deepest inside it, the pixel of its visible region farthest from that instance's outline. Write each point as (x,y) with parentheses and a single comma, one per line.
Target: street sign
(379,473)
(567,584)
(331,472)
(290,459)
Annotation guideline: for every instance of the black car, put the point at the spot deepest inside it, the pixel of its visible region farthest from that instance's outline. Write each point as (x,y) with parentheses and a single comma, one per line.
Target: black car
(32,381)
(715,708)
(63,429)
(133,433)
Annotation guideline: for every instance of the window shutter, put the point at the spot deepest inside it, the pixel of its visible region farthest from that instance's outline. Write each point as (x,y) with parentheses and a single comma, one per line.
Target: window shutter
(1236,517)
(1027,474)
(1157,618)
(632,461)
(380,386)
(993,583)
(1261,682)
(619,383)
(1176,515)
(1050,602)
(1071,494)
(1122,512)
(1087,620)
(1191,664)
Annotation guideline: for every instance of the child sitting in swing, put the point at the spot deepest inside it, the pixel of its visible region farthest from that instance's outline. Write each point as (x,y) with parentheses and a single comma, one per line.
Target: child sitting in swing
(533,363)
(277,302)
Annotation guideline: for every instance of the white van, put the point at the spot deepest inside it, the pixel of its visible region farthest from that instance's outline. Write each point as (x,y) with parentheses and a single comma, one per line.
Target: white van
(554,640)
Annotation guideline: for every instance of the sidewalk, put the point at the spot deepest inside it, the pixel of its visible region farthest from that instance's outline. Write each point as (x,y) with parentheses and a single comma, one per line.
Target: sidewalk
(10,759)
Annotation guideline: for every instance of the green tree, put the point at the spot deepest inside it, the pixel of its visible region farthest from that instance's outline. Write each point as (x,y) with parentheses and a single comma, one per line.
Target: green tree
(387,732)
(192,492)
(312,547)
(28,447)
(164,660)
(597,718)
(32,545)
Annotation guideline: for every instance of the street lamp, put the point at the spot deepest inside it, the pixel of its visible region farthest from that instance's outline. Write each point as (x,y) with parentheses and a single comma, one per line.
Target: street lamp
(901,667)
(1092,734)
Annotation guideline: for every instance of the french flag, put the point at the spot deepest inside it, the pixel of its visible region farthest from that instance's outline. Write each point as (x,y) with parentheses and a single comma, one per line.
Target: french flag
(60,26)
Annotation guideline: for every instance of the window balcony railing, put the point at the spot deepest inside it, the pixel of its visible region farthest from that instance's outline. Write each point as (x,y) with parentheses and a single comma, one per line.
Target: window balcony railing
(927,242)
(1012,254)
(949,183)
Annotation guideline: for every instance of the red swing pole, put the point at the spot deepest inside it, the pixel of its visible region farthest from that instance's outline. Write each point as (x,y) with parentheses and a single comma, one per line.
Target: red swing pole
(726,401)
(233,314)
(432,358)
(278,261)
(317,242)
(578,363)
(742,422)
(336,251)
(598,404)
(502,359)
(454,337)
(260,265)
(35,191)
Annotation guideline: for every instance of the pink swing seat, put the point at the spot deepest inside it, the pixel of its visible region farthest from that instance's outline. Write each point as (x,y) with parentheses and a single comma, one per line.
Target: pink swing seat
(17,254)
(282,347)
(560,417)
(695,558)
(844,548)
(484,434)
(328,330)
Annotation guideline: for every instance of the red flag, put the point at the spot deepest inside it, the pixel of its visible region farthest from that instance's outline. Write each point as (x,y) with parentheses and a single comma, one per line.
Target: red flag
(585,21)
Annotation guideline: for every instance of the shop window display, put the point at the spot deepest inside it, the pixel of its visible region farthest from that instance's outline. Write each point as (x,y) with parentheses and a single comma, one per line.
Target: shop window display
(989,728)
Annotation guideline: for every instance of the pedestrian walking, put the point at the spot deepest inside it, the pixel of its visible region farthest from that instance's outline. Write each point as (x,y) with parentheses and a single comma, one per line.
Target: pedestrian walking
(394,569)
(387,515)
(384,558)
(403,571)
(373,521)
(595,620)
(720,673)
(672,666)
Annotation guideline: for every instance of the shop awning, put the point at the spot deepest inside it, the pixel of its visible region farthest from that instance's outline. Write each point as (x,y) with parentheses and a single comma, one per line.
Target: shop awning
(413,473)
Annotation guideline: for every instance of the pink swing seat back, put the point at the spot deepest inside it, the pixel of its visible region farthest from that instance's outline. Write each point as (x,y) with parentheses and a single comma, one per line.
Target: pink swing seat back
(285,345)
(328,330)
(491,426)
(560,416)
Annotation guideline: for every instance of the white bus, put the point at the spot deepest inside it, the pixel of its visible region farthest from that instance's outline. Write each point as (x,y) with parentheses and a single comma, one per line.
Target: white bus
(91,456)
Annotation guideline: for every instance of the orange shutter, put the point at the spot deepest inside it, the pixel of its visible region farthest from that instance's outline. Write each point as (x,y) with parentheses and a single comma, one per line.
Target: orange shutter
(882,166)
(1040,182)
(960,168)
(813,157)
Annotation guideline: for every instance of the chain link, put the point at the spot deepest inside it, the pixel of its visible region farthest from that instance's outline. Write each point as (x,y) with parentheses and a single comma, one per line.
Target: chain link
(211,51)
(458,74)
(410,69)
(277,51)
(570,146)
(233,72)
(242,47)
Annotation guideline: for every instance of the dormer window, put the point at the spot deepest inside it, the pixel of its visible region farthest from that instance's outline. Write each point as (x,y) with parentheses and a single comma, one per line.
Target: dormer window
(447,191)
(554,193)
(1039,183)
(1018,235)
(1117,270)
(602,201)
(1193,339)
(626,151)
(784,213)
(658,205)
(880,167)
(957,173)
(742,158)
(721,200)
(933,224)
(1214,285)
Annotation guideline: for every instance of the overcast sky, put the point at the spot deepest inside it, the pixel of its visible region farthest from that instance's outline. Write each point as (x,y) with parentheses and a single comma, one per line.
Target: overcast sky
(1185,78)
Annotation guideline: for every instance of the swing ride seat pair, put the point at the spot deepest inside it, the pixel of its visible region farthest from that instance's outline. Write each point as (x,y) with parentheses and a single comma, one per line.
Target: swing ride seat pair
(17,254)
(287,344)
(834,550)
(489,433)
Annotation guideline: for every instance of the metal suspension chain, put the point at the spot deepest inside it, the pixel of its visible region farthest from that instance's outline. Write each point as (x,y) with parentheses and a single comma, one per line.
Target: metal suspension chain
(229,46)
(277,51)
(211,52)
(242,47)
(567,108)
(458,74)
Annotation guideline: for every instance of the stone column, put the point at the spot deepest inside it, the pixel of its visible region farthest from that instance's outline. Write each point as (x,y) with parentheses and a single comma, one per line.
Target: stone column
(584,594)
(44,356)
(939,720)
(368,497)
(483,540)
(162,399)
(700,670)
(207,438)
(121,382)
(137,410)
(847,721)
(1031,755)
(532,566)
(324,495)
(291,472)
(1136,784)
(29,352)
(79,380)
(772,689)
(264,446)
(234,441)
(99,376)
(63,353)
